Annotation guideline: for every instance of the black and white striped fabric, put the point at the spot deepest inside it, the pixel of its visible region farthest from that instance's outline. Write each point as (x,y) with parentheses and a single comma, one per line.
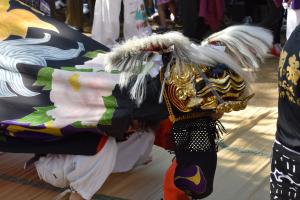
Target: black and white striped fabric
(285,173)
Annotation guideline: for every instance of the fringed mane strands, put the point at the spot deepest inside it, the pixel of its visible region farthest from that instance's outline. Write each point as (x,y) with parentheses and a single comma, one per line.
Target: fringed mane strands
(246,47)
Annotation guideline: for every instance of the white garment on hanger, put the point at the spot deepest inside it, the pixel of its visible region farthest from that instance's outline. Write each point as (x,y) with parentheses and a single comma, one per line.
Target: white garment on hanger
(106,25)
(293,20)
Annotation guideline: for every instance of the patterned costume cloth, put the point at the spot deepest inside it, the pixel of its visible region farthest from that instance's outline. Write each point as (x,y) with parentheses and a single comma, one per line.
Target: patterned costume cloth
(63,93)
(285,177)
(195,143)
(285,181)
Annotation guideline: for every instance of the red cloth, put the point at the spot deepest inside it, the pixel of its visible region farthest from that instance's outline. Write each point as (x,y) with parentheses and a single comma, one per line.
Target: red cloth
(102,143)
(171,192)
(213,12)
(163,137)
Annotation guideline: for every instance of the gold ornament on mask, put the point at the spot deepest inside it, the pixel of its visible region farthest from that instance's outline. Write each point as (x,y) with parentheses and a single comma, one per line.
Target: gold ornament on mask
(187,90)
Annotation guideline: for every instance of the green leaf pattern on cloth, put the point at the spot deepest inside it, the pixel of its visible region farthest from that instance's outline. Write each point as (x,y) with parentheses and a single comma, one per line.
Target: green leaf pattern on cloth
(75,69)
(78,124)
(38,117)
(93,54)
(44,78)
(110,103)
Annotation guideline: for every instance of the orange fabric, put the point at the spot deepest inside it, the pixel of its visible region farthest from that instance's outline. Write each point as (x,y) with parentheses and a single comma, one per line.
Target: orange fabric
(163,136)
(171,192)
(102,142)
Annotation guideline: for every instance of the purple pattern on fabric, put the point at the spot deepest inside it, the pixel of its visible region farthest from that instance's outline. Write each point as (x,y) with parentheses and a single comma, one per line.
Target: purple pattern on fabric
(28,134)
(182,179)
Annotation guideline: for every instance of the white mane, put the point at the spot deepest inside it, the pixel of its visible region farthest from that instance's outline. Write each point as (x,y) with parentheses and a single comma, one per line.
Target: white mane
(245,46)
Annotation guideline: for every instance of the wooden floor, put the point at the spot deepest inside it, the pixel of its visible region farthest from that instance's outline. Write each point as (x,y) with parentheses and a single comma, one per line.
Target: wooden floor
(243,159)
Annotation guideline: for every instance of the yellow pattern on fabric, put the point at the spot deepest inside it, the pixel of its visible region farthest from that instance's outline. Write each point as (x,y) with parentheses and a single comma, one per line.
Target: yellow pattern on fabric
(74,82)
(196,179)
(293,73)
(4,5)
(282,60)
(289,77)
(17,21)
(14,129)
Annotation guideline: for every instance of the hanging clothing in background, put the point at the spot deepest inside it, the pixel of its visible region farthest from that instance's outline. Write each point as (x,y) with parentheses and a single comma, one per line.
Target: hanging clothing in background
(106,26)
(141,19)
(74,14)
(293,17)
(213,12)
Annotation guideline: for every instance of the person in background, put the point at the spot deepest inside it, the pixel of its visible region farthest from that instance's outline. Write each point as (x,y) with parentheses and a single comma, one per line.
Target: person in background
(88,10)
(273,21)
(285,166)
(74,14)
(293,15)
(193,25)
(212,11)
(150,7)
(106,25)
(161,5)
(250,6)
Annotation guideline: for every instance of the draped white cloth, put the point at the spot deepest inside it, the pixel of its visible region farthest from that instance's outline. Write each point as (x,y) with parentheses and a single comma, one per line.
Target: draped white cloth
(86,174)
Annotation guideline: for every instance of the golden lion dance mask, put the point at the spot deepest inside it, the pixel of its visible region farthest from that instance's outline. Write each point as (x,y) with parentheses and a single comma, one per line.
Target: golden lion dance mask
(206,88)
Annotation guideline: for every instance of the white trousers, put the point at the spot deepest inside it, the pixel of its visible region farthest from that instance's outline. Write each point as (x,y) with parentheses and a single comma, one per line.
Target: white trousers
(86,174)
(293,20)
(106,25)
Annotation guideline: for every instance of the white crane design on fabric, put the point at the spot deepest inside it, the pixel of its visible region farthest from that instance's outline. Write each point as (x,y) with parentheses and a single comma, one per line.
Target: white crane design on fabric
(27,51)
